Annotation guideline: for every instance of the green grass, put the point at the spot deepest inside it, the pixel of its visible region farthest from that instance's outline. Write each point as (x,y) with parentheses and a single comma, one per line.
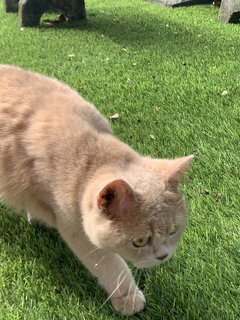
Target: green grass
(163,71)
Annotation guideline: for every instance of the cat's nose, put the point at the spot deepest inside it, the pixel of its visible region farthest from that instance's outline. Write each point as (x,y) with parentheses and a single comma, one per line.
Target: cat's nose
(162,257)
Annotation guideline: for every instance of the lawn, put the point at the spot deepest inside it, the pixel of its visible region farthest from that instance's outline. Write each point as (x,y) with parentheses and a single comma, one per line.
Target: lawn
(174,78)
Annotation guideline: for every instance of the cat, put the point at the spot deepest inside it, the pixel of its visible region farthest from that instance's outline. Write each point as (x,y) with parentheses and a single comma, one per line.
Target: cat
(60,160)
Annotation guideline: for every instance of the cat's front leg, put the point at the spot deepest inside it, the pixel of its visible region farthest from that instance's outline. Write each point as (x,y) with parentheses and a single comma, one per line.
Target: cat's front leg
(131,303)
(110,269)
(115,276)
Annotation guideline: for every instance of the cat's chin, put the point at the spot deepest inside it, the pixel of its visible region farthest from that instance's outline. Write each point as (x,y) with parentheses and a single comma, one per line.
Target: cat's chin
(150,263)
(147,264)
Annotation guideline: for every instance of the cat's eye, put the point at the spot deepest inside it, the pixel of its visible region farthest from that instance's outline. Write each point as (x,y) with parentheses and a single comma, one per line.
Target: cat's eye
(173,230)
(141,242)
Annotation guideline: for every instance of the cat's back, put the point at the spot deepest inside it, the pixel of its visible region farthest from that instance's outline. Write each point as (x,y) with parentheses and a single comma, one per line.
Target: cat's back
(26,96)
(44,126)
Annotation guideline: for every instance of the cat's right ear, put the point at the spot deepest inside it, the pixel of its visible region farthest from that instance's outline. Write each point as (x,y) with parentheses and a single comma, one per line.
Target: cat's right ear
(116,200)
(174,170)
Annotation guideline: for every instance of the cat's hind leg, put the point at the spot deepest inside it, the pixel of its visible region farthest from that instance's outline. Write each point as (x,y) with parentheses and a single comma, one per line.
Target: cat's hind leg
(41,212)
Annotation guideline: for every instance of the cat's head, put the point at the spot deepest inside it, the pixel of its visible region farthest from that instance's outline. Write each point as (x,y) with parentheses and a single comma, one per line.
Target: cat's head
(140,213)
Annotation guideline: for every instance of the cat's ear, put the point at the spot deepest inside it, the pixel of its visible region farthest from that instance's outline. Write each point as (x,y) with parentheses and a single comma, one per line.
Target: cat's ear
(175,170)
(116,199)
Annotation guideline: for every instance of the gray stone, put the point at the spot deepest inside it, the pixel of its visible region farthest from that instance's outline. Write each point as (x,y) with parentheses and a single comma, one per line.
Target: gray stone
(230,11)
(10,5)
(180,3)
(30,11)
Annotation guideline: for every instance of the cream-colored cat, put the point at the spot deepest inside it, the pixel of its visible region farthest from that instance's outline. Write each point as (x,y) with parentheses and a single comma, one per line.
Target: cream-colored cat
(60,161)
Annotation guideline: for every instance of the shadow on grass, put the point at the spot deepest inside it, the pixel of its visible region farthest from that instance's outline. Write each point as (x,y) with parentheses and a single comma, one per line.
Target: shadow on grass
(44,245)
(36,242)
(144,30)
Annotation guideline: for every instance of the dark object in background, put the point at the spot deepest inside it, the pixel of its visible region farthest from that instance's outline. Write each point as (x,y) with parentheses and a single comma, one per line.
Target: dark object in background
(10,5)
(30,11)
(180,3)
(230,11)
(217,3)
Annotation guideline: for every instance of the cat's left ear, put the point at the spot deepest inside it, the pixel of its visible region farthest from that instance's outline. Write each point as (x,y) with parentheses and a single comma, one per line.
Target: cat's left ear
(116,200)
(175,170)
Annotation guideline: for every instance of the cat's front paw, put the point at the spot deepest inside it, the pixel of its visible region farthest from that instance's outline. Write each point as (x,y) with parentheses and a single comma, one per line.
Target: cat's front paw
(132,303)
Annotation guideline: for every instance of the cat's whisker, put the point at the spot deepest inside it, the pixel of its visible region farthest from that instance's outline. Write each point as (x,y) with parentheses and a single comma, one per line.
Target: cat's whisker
(136,289)
(135,293)
(140,274)
(129,289)
(90,252)
(178,204)
(119,276)
(110,296)
(97,264)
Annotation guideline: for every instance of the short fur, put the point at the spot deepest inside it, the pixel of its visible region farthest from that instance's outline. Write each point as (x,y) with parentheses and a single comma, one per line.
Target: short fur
(60,161)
